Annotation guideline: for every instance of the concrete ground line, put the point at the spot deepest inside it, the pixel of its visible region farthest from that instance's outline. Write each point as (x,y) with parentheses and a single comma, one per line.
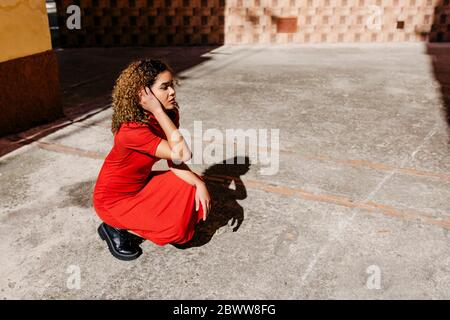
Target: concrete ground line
(367,204)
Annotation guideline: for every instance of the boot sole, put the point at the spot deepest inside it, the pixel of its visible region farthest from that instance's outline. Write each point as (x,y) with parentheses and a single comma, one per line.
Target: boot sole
(103,235)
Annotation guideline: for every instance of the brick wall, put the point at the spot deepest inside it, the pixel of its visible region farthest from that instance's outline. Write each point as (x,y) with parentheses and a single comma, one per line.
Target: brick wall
(143,23)
(194,22)
(304,21)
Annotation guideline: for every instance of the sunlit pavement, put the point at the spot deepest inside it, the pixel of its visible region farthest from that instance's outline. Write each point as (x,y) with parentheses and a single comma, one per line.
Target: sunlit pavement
(358,206)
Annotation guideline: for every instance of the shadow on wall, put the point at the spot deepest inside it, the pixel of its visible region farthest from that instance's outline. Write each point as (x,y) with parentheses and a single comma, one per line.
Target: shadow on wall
(226,211)
(142,23)
(440,54)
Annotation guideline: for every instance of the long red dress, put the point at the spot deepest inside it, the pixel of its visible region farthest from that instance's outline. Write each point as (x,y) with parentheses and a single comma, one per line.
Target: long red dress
(157,205)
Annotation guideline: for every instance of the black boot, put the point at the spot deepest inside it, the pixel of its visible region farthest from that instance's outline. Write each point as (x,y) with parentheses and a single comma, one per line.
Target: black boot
(135,239)
(119,242)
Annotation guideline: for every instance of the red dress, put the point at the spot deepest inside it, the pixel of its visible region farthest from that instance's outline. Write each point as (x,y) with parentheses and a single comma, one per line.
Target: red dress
(157,205)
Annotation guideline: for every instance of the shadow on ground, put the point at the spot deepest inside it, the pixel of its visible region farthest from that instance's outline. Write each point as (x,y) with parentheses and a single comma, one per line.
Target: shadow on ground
(440,60)
(226,211)
(219,178)
(440,55)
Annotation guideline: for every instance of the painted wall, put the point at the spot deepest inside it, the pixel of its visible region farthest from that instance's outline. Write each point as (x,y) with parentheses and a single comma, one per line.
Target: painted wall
(24,28)
(29,81)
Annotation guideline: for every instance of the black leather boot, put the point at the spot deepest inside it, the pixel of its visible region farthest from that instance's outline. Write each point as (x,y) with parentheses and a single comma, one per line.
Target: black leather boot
(135,239)
(119,242)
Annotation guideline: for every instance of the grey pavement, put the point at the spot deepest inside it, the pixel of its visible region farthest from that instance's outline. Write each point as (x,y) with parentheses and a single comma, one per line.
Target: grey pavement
(358,209)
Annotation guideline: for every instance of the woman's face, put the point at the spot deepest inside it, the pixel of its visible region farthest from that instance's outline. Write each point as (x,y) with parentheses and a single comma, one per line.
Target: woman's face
(163,89)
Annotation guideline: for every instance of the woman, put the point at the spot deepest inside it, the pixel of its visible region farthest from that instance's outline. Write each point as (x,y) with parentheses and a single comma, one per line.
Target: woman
(130,198)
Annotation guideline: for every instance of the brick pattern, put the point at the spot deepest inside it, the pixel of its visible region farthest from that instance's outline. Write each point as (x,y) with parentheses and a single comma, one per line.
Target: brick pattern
(195,22)
(256,21)
(143,22)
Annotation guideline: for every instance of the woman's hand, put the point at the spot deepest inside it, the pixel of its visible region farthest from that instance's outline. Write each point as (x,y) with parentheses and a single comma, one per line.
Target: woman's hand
(202,196)
(149,102)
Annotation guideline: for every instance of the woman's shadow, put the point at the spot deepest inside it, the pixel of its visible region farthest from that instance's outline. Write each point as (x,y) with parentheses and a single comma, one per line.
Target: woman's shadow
(225,210)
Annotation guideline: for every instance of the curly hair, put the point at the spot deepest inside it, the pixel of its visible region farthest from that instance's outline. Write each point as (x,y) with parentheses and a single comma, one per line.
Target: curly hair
(125,95)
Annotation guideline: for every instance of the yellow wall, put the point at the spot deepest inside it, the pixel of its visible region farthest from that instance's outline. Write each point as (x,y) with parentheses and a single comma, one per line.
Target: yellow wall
(24,28)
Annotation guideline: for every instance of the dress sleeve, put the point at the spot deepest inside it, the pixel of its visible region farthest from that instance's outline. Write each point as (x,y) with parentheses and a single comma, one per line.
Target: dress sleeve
(139,138)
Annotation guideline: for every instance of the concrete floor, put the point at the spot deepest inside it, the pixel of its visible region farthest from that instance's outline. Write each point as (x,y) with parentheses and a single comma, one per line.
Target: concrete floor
(359,208)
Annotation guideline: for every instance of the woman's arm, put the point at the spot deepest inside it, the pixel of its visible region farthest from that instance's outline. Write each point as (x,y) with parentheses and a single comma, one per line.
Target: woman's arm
(175,149)
(176,142)
(175,146)
(184,172)
(201,194)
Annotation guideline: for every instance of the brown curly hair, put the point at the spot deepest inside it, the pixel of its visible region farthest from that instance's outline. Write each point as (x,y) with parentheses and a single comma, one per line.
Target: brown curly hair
(125,95)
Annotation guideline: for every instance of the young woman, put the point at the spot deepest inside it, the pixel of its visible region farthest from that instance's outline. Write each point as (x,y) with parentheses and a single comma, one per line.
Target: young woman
(133,201)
